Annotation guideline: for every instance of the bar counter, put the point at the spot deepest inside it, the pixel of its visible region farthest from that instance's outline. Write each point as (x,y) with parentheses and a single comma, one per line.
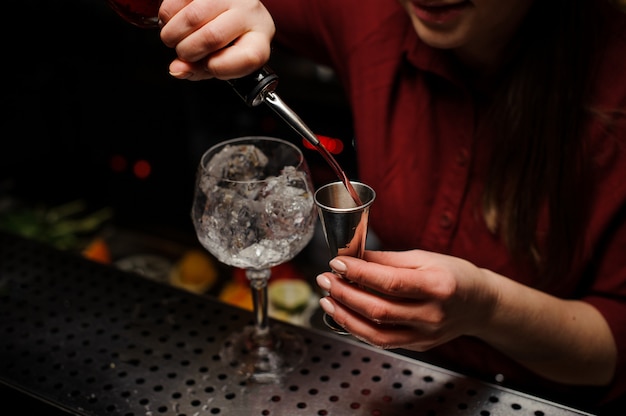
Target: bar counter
(90,339)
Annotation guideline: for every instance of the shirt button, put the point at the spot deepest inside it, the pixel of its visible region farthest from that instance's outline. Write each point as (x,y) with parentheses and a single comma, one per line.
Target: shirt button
(446,220)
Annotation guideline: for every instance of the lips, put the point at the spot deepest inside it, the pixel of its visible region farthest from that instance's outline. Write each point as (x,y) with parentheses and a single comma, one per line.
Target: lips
(437,11)
(434,4)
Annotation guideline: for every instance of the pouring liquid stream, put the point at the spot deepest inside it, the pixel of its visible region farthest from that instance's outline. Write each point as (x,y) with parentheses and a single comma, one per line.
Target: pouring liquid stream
(144,14)
(291,118)
(339,172)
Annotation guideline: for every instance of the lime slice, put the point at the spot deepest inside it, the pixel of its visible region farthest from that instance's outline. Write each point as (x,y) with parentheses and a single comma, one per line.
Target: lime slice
(291,295)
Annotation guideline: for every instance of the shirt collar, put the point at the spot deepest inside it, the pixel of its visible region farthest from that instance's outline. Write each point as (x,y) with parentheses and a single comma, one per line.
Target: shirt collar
(426,58)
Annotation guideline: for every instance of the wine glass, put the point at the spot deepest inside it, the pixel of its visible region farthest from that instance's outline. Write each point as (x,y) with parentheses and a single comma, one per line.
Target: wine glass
(253,209)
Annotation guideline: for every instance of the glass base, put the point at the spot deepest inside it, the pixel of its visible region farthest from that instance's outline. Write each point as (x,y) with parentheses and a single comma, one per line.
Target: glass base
(266,358)
(336,328)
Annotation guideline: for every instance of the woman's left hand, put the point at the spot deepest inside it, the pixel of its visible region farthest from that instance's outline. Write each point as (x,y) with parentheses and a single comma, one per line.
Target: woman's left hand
(424,299)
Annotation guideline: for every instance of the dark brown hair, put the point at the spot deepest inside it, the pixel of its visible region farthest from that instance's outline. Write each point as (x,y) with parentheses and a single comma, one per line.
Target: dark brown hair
(539,112)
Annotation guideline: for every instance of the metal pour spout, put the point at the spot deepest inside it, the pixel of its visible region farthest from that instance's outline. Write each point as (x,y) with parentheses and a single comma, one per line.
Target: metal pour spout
(260,87)
(275,103)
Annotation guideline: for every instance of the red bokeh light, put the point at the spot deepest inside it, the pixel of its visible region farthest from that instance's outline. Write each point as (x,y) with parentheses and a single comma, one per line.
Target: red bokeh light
(334,146)
(142,169)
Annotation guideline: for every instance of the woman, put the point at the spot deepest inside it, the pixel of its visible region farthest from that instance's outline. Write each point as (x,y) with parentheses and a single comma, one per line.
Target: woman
(494,134)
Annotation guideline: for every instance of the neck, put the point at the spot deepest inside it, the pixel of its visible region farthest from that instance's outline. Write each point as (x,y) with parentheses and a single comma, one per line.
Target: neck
(491,48)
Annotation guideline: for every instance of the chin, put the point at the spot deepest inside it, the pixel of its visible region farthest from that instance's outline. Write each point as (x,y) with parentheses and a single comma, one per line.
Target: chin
(441,39)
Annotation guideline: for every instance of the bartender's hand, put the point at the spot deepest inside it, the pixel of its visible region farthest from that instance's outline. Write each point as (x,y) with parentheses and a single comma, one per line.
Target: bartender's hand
(216,38)
(432,298)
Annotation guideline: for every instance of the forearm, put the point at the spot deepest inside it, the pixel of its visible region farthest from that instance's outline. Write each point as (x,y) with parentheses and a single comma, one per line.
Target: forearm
(566,341)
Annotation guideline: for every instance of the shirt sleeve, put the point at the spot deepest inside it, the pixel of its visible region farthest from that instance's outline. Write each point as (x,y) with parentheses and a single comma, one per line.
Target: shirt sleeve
(607,271)
(299,27)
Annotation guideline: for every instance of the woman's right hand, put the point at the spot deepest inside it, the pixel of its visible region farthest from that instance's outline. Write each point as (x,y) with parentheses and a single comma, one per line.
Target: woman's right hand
(222,39)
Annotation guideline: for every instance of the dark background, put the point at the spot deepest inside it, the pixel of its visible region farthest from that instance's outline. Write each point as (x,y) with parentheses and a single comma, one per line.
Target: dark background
(82,86)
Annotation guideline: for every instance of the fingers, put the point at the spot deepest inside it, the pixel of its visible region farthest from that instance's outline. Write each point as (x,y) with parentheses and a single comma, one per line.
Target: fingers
(377,308)
(227,63)
(396,281)
(169,8)
(411,259)
(381,335)
(197,31)
(216,39)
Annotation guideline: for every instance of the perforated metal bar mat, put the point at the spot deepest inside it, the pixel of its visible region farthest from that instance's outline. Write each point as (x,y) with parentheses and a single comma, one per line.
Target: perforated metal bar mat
(94,340)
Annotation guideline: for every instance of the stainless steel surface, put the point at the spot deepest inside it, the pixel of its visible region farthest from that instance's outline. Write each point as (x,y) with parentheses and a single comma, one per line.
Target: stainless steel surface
(344,224)
(259,87)
(99,341)
(274,102)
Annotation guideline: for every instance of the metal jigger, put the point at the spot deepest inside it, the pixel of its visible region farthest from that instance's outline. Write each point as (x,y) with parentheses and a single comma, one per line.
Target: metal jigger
(344,224)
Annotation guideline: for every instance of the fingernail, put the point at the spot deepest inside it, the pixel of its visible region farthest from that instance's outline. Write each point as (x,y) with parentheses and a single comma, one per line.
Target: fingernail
(181,75)
(323,282)
(327,306)
(338,266)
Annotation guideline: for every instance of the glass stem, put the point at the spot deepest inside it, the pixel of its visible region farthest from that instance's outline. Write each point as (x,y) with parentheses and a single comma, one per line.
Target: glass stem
(258,284)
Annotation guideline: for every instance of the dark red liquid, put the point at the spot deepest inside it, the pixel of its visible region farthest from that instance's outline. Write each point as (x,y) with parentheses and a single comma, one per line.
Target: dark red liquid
(142,13)
(339,172)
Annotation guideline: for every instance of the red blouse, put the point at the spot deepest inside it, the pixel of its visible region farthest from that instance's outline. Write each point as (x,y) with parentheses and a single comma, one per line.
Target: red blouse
(415,126)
